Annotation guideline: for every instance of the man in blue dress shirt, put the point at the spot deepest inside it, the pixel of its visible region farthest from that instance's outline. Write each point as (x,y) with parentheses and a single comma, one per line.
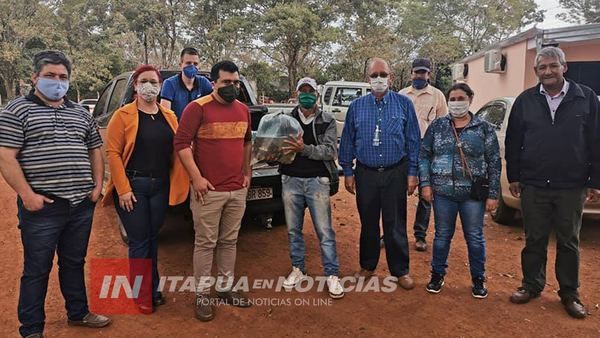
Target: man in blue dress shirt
(381,132)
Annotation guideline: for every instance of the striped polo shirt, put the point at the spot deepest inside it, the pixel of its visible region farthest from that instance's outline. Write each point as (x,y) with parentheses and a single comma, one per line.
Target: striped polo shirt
(53,143)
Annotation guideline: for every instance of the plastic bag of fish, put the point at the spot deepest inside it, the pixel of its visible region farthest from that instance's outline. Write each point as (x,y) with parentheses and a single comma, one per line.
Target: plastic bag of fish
(268,142)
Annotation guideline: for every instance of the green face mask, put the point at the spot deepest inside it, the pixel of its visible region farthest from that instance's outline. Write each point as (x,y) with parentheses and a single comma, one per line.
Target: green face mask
(307,100)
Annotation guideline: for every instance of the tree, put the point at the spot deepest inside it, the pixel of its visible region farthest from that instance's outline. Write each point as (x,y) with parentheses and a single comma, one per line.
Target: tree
(264,75)
(289,33)
(219,29)
(25,28)
(580,11)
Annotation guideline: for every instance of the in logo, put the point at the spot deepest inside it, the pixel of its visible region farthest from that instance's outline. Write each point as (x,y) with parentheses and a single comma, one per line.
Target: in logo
(119,286)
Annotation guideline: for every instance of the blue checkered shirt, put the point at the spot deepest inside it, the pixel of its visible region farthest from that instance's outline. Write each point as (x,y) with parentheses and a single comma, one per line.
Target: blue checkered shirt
(399,134)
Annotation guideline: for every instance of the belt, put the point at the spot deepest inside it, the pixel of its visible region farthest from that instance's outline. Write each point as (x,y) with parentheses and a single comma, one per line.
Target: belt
(135,173)
(382,169)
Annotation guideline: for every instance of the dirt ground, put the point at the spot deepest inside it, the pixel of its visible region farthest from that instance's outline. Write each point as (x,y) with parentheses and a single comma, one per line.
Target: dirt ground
(264,255)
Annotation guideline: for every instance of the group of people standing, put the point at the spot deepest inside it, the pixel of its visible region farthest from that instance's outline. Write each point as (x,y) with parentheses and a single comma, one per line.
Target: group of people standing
(194,144)
(401,141)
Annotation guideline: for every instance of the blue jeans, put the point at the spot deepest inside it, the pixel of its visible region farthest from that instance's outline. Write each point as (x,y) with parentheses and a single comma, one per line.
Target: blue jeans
(64,229)
(314,192)
(471,217)
(143,223)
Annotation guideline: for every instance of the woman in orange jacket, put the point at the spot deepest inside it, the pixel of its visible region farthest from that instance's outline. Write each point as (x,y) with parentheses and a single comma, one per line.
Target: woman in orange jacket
(146,176)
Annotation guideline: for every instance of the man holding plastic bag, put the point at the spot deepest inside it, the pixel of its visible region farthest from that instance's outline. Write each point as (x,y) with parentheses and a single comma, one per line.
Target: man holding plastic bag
(308,180)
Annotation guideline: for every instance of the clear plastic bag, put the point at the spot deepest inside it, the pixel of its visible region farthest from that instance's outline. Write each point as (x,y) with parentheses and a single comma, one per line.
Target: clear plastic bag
(273,129)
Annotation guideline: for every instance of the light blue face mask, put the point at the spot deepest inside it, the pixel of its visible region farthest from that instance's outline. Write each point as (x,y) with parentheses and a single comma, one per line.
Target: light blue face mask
(52,89)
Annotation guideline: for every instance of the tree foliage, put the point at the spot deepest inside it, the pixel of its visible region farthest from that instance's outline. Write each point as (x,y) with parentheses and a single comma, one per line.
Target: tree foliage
(271,40)
(580,11)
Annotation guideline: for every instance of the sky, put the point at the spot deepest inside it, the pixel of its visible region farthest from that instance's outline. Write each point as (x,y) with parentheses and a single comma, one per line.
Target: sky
(552,8)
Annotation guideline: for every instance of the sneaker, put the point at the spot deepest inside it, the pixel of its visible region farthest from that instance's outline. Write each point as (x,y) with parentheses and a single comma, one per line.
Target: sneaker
(436,283)
(479,290)
(295,277)
(364,273)
(336,291)
(90,320)
(204,311)
(421,245)
(234,298)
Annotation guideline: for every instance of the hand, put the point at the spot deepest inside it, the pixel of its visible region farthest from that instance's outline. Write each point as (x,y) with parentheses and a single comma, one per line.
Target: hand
(350,184)
(126,201)
(491,205)
(201,188)
(413,181)
(296,145)
(515,190)
(593,196)
(427,194)
(95,194)
(35,202)
(272,158)
(246,183)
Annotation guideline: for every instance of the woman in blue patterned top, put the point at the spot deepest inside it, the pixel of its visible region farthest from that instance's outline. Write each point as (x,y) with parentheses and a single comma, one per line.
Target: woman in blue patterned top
(447,181)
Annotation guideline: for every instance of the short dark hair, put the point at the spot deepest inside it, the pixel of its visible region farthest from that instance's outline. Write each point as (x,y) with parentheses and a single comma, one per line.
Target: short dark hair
(189,51)
(53,57)
(227,66)
(461,86)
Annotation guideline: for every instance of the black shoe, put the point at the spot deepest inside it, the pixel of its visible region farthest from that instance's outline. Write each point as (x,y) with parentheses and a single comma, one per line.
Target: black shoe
(436,283)
(420,244)
(159,301)
(479,290)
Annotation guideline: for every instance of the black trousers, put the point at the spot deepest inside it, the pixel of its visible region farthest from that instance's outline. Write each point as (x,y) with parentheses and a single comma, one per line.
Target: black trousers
(383,195)
(545,210)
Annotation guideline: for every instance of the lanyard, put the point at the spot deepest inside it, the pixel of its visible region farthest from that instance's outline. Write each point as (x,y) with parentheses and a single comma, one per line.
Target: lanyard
(379,113)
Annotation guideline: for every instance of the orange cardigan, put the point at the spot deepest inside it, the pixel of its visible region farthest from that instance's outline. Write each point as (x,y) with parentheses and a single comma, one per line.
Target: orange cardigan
(120,141)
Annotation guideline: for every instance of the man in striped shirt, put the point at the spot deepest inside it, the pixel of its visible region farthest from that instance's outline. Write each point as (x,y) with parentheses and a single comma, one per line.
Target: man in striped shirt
(381,132)
(50,155)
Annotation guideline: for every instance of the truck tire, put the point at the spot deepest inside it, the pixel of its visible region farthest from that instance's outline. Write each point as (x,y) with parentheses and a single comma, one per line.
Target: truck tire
(123,232)
(504,214)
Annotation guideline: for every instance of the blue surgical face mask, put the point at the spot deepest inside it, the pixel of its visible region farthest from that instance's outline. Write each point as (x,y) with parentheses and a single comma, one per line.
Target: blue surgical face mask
(52,89)
(419,83)
(190,71)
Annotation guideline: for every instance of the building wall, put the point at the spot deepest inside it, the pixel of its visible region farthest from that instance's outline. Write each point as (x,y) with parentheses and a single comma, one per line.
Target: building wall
(575,52)
(520,74)
(488,86)
(530,77)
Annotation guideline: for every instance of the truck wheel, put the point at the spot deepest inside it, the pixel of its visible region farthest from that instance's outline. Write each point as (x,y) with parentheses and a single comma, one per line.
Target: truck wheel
(504,214)
(123,232)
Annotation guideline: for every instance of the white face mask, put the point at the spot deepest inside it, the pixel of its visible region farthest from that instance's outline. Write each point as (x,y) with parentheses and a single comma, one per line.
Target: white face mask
(148,91)
(379,84)
(458,108)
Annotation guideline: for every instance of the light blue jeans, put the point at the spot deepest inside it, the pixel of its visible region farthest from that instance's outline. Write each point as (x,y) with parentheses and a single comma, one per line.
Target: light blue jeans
(297,193)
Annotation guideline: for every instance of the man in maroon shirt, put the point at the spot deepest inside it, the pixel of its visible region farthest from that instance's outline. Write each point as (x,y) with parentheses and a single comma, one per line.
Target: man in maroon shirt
(219,165)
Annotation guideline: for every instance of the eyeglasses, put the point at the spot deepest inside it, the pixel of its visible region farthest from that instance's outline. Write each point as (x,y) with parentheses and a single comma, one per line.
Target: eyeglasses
(376,75)
(152,82)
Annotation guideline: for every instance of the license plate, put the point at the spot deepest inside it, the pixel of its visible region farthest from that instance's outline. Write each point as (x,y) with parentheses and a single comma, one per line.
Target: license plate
(259,194)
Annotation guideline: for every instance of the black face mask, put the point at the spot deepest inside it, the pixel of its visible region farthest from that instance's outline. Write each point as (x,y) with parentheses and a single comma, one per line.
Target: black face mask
(229,93)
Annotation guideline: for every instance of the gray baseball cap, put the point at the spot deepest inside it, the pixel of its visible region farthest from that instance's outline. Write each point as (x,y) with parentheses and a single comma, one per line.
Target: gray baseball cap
(309,81)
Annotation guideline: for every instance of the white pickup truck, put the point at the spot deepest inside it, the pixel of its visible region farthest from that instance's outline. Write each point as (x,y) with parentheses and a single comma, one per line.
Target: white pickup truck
(336,97)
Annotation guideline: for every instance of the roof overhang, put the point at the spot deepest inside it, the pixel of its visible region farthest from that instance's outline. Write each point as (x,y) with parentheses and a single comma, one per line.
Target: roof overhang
(536,38)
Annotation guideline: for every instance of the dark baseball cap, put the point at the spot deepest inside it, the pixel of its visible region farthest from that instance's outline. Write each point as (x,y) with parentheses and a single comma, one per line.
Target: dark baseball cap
(421,64)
